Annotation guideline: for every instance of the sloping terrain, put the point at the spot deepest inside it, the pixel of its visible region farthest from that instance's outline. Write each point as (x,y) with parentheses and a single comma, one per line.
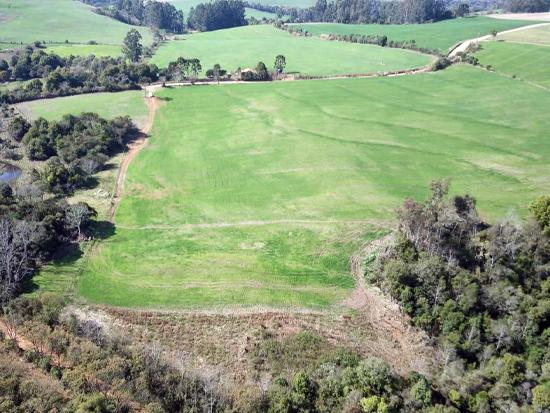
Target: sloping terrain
(245,46)
(523,61)
(253,194)
(58,20)
(440,35)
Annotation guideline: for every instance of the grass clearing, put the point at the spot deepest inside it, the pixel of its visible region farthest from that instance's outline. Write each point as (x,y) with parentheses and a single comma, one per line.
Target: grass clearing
(185,5)
(328,155)
(60,20)
(440,35)
(99,50)
(245,46)
(537,35)
(107,105)
(525,61)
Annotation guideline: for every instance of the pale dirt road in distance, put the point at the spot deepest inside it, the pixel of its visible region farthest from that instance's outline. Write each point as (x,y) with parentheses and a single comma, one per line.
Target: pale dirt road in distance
(522,16)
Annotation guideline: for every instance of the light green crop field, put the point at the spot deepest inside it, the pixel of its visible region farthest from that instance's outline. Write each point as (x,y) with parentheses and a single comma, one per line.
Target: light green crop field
(537,35)
(245,46)
(100,50)
(257,194)
(59,20)
(440,35)
(107,105)
(525,61)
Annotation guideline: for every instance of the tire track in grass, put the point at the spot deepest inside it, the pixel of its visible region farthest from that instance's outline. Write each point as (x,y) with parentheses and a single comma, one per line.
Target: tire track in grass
(133,149)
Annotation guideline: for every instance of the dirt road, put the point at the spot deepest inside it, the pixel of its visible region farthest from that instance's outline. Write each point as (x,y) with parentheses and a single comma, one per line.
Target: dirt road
(462,47)
(133,149)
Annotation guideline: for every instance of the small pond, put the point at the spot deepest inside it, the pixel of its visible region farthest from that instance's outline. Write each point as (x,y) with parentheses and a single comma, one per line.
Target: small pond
(8,172)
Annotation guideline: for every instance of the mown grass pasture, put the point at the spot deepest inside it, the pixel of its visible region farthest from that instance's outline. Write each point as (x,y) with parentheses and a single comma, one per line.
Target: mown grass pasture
(440,35)
(270,213)
(537,35)
(245,46)
(524,61)
(107,105)
(99,50)
(59,20)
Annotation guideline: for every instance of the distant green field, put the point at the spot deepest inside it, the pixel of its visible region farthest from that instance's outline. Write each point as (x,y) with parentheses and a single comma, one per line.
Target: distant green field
(108,105)
(441,35)
(99,50)
(537,35)
(525,61)
(59,20)
(245,46)
(258,193)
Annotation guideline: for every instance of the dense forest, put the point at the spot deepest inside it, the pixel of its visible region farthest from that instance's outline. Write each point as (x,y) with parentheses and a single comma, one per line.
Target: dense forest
(56,76)
(155,14)
(365,11)
(220,14)
(482,291)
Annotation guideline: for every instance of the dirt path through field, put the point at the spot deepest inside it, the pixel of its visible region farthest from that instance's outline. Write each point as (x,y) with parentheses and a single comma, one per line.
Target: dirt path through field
(396,338)
(133,149)
(462,47)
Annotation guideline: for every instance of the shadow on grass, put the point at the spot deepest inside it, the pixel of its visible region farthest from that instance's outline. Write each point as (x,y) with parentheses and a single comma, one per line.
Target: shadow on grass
(68,254)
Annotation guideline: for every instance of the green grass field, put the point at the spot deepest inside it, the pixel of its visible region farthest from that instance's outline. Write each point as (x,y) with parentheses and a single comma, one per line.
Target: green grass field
(537,35)
(245,46)
(108,105)
(524,61)
(258,193)
(441,35)
(59,20)
(99,50)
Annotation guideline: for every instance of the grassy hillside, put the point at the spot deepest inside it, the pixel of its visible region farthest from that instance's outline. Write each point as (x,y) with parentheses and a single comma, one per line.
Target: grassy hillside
(258,193)
(85,49)
(524,61)
(537,35)
(57,21)
(245,46)
(441,35)
(107,105)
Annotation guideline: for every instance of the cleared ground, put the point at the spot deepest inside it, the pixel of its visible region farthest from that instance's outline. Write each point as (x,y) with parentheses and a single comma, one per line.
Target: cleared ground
(99,50)
(537,35)
(523,61)
(441,35)
(245,46)
(259,193)
(59,20)
(107,105)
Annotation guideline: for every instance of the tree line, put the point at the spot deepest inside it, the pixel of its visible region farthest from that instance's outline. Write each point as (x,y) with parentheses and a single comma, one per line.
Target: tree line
(155,14)
(364,11)
(52,75)
(482,292)
(219,14)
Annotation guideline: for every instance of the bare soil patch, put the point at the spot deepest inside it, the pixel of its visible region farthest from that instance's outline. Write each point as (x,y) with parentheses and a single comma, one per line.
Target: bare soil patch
(133,149)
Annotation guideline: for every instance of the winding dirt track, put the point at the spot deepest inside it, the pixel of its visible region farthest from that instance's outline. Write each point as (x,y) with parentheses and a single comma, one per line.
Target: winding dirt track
(396,339)
(462,47)
(133,149)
